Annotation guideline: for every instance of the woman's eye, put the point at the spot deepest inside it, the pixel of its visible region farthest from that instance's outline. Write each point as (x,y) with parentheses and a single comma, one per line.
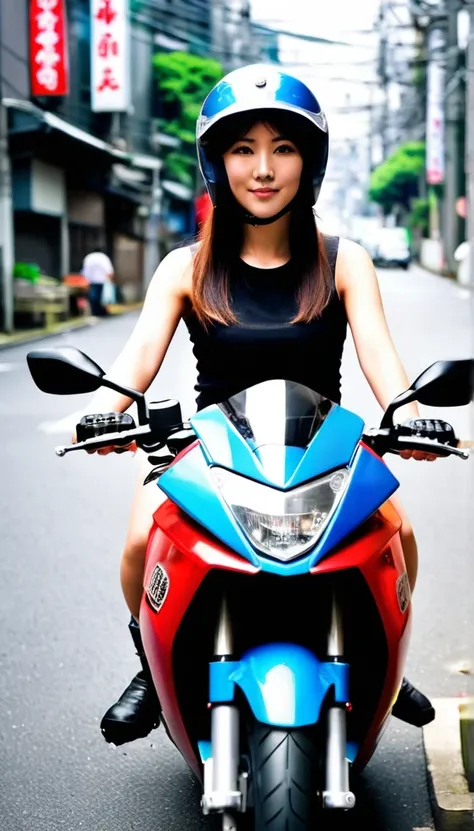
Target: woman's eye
(243,150)
(285,148)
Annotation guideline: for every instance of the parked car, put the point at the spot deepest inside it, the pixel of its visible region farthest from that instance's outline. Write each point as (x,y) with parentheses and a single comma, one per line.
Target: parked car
(392,248)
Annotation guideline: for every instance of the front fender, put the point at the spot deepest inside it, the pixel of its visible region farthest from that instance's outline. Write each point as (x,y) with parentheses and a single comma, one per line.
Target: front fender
(285,684)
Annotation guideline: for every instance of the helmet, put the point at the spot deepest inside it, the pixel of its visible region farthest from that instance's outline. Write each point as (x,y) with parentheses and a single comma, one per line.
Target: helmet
(259,87)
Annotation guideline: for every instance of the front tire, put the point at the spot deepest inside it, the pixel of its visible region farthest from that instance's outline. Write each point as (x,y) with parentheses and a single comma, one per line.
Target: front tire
(284,773)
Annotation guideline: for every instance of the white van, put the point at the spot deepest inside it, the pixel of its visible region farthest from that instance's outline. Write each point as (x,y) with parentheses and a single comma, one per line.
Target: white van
(392,248)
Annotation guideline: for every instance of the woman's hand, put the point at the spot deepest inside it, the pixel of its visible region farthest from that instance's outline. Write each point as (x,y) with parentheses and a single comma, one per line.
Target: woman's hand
(113,448)
(434,429)
(419,455)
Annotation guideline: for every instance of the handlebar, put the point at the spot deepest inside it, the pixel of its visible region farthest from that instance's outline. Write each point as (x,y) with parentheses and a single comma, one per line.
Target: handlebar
(148,439)
(381,440)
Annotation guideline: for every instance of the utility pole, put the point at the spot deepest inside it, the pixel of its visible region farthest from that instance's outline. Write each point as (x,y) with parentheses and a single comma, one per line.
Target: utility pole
(470,140)
(383,77)
(370,136)
(453,224)
(6,222)
(435,161)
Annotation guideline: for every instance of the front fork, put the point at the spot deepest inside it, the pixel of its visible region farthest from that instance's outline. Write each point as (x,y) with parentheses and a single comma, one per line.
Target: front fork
(225,786)
(337,793)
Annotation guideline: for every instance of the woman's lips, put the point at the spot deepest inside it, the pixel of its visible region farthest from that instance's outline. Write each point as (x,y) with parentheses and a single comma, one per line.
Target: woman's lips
(264,193)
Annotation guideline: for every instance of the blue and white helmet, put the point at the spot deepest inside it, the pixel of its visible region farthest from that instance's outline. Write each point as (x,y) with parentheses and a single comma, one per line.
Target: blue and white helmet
(259,87)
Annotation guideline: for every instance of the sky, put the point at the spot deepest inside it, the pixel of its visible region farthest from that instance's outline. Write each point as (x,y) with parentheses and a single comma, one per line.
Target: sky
(337,74)
(319,64)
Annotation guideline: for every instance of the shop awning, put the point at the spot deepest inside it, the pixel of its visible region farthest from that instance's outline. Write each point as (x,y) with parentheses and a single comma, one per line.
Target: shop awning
(134,159)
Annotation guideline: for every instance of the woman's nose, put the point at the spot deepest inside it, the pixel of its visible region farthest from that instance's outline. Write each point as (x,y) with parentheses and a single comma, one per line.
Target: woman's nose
(263,166)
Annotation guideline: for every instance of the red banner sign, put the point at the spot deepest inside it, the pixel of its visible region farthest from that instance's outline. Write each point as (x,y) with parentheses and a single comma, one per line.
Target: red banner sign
(48,48)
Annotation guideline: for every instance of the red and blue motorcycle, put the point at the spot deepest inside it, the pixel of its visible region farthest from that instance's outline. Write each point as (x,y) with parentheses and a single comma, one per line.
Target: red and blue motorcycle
(276,604)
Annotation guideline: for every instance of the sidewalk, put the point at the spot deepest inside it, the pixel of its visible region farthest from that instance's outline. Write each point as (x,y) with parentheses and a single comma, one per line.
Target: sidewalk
(31,335)
(449,750)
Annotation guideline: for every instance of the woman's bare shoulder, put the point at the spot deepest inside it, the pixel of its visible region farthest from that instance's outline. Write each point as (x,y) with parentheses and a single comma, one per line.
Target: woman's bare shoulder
(353,265)
(176,269)
(349,249)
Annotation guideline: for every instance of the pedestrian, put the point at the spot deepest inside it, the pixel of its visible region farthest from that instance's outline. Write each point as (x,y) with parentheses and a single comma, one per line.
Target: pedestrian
(262,280)
(98,270)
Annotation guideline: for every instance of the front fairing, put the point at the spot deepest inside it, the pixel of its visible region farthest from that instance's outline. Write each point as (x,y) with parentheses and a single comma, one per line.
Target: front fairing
(280,434)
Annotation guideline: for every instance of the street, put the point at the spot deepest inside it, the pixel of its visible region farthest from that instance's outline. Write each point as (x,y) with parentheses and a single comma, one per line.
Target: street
(65,650)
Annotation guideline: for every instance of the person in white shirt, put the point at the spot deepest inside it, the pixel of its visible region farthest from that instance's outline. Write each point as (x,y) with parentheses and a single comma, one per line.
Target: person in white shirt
(97,268)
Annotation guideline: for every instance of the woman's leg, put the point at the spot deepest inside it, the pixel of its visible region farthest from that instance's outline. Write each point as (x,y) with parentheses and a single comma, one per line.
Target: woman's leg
(137,711)
(410,548)
(411,706)
(146,500)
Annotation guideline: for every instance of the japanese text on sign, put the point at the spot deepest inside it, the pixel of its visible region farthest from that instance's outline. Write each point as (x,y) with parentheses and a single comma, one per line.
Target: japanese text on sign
(109,55)
(48,48)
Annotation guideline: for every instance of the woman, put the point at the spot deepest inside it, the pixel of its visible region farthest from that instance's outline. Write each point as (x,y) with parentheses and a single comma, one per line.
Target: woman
(264,295)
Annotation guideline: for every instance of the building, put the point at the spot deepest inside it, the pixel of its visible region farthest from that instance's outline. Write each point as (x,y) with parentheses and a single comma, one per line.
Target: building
(79,173)
(233,38)
(80,179)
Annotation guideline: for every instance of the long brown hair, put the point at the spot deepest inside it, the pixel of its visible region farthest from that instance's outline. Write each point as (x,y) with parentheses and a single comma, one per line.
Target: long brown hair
(221,236)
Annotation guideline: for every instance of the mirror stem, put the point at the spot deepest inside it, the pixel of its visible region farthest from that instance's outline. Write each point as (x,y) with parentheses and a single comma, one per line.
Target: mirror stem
(404,398)
(138,397)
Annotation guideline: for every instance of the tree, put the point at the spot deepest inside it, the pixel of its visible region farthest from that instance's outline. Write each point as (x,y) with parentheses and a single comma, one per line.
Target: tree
(396,181)
(419,217)
(184,80)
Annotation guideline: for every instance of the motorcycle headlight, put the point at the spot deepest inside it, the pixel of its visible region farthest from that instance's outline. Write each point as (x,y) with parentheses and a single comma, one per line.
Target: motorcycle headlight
(282,524)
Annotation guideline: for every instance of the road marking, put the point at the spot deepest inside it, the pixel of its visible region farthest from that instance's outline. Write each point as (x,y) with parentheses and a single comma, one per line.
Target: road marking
(4,367)
(452,800)
(65,425)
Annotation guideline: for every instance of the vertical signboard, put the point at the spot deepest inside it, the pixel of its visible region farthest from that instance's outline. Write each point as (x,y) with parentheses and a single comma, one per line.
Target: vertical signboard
(435,111)
(110,44)
(49,66)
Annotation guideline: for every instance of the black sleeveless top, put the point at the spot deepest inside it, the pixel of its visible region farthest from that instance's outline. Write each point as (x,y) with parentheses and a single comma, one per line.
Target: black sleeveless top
(264,345)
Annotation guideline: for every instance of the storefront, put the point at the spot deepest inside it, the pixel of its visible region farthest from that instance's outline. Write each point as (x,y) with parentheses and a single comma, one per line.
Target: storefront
(72,195)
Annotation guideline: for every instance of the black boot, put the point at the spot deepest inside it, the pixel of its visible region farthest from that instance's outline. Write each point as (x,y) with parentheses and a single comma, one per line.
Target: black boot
(137,711)
(412,706)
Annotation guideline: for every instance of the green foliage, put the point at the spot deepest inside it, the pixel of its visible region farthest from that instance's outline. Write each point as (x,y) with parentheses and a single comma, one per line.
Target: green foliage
(27,271)
(395,182)
(184,80)
(179,166)
(419,216)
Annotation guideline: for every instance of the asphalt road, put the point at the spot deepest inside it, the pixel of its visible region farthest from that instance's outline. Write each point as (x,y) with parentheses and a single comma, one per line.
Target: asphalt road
(65,652)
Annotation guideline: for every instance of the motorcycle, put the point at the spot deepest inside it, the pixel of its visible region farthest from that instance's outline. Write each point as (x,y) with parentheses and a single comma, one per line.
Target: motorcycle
(276,610)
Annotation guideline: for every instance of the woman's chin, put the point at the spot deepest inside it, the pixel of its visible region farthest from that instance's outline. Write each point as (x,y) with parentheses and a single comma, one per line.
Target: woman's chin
(264,210)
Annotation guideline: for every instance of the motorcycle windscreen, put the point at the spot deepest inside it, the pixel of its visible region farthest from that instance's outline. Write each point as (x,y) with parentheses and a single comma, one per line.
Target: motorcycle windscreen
(277,413)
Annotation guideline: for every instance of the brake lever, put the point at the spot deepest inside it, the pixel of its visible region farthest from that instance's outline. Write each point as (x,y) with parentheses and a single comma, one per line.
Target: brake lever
(448,449)
(121,439)
(386,438)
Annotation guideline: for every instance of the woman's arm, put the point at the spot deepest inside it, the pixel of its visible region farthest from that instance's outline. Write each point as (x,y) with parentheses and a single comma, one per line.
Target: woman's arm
(144,352)
(358,288)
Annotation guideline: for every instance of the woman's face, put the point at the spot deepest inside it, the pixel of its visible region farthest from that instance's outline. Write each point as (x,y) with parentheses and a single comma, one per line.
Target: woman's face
(264,170)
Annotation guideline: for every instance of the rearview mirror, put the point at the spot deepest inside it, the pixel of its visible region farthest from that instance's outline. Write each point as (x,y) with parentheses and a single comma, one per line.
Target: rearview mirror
(68,371)
(64,371)
(446,384)
(443,384)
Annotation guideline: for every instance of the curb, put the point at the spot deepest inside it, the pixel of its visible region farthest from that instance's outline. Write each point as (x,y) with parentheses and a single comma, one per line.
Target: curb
(33,335)
(452,802)
(466,711)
